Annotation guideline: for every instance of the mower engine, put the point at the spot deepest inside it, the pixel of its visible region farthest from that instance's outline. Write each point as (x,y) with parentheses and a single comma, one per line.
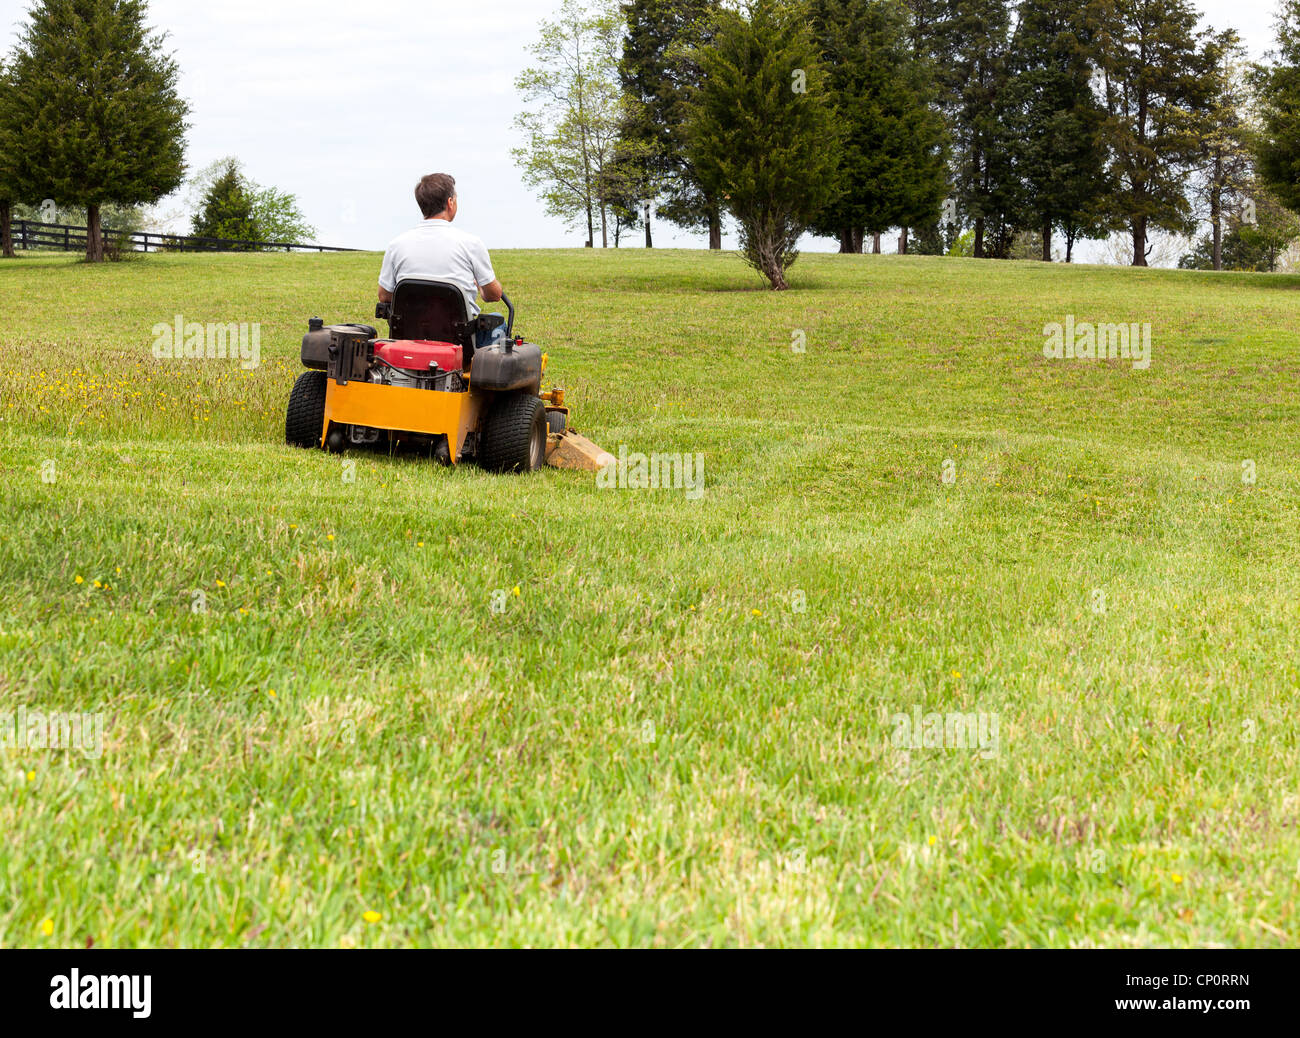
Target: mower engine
(419,365)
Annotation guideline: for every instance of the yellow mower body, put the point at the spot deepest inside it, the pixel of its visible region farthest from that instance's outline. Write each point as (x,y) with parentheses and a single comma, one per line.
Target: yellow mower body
(398,409)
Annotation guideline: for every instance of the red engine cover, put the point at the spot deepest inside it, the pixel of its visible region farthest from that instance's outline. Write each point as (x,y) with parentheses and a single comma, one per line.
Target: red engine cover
(418,354)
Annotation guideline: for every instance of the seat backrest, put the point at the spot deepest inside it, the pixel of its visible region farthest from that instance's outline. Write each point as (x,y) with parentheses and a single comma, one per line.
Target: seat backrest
(433,310)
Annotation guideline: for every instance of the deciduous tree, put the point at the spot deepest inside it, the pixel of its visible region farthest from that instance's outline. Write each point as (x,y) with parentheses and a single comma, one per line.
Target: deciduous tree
(571,132)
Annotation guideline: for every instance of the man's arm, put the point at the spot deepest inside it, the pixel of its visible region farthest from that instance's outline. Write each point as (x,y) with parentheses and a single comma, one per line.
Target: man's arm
(484,276)
(387,276)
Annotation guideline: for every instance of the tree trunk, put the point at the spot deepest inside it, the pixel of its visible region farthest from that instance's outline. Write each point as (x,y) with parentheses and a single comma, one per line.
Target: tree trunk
(94,236)
(775,272)
(1047,241)
(979,238)
(715,229)
(604,227)
(591,227)
(1216,209)
(846,241)
(1069,248)
(6,231)
(649,239)
(857,234)
(875,244)
(902,243)
(1140,242)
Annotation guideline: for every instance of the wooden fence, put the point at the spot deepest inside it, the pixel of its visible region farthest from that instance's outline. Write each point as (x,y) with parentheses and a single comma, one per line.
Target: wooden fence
(29,234)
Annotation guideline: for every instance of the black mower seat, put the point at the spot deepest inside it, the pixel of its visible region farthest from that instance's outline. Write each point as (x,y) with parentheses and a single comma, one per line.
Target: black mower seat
(431,310)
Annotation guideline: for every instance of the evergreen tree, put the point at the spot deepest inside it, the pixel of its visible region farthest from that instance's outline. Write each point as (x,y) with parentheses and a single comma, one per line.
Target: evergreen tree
(1054,122)
(9,150)
(762,133)
(1278,145)
(95,100)
(227,209)
(1157,88)
(892,162)
(928,35)
(657,72)
(975,40)
(928,30)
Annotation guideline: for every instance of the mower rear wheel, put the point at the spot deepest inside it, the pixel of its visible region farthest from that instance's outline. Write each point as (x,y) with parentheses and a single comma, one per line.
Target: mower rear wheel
(306,414)
(514,434)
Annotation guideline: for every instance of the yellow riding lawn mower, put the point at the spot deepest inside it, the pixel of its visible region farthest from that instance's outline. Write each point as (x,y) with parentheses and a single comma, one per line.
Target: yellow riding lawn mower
(457,387)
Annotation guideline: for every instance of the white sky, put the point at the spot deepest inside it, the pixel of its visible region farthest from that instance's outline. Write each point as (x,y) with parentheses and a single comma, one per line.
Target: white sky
(346,103)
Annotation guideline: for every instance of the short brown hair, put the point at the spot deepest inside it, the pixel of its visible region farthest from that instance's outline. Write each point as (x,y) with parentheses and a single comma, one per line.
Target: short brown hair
(433,193)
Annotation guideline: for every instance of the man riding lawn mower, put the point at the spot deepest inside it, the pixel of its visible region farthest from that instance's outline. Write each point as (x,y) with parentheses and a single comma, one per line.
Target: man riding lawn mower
(448,379)
(430,385)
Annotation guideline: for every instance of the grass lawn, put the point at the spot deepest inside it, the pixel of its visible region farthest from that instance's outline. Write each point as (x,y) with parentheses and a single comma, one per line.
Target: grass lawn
(682,728)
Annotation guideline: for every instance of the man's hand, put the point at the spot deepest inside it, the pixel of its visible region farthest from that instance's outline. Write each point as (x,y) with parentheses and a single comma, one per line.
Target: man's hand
(492,293)
(385,296)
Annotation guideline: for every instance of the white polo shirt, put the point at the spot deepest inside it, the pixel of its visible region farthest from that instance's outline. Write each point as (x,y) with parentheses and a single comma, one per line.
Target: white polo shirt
(436,250)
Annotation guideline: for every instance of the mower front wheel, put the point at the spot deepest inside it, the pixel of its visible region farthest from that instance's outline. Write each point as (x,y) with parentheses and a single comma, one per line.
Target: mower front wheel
(514,434)
(306,414)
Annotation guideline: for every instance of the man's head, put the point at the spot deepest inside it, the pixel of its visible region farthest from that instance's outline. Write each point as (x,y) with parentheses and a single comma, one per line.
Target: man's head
(436,196)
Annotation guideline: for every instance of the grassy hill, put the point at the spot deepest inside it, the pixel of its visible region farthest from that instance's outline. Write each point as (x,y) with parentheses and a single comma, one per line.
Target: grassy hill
(682,729)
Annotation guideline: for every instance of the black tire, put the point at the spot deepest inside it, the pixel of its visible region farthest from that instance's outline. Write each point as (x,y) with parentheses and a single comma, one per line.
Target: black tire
(557,422)
(514,434)
(306,415)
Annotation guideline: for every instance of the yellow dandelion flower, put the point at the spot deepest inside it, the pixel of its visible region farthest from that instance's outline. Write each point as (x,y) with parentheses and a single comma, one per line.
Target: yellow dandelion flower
(757,612)
(1175,877)
(516,592)
(47,927)
(329,537)
(372,917)
(956,674)
(221,583)
(933,840)
(31,776)
(79,580)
